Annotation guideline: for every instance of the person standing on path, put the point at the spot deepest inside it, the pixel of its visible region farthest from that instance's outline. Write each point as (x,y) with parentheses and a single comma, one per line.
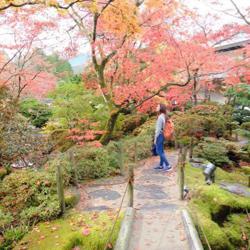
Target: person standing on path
(159,137)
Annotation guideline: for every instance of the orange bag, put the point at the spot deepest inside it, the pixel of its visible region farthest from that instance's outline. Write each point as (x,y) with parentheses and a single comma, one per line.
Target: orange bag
(169,130)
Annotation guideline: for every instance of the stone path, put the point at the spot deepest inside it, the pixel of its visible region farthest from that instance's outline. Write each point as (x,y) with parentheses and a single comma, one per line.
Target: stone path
(158,224)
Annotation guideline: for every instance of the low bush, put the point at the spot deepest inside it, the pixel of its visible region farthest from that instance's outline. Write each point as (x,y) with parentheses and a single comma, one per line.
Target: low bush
(245,152)
(5,220)
(132,122)
(245,126)
(22,144)
(62,159)
(139,146)
(26,188)
(213,151)
(148,128)
(37,112)
(3,172)
(88,163)
(72,197)
(233,151)
(47,210)
(12,236)
(92,162)
(31,193)
(26,197)
(241,116)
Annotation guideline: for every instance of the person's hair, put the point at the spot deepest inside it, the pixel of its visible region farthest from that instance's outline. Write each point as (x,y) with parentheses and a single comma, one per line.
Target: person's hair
(163,108)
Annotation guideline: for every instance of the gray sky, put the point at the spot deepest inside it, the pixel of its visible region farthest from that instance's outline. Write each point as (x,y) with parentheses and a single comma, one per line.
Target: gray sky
(201,6)
(205,7)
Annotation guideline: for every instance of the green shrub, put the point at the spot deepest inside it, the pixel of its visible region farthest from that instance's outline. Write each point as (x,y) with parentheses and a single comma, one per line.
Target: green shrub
(47,210)
(59,137)
(12,236)
(68,102)
(92,162)
(140,145)
(214,152)
(71,198)
(31,193)
(148,128)
(245,126)
(26,197)
(3,172)
(5,220)
(201,120)
(241,116)
(37,112)
(132,122)
(244,133)
(88,162)
(19,141)
(63,160)
(245,152)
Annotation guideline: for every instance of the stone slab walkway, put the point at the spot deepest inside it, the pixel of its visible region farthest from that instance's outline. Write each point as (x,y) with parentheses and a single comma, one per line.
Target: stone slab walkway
(158,224)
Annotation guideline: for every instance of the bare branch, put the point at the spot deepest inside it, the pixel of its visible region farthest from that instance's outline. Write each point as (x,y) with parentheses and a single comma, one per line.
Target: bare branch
(27,3)
(240,13)
(10,60)
(17,5)
(163,88)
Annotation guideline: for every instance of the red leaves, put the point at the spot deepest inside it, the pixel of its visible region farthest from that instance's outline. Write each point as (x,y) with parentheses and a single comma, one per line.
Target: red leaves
(85,132)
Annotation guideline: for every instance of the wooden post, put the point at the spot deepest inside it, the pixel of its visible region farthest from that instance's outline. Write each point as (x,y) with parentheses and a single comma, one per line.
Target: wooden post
(73,167)
(182,162)
(131,185)
(121,158)
(191,148)
(135,152)
(236,136)
(60,191)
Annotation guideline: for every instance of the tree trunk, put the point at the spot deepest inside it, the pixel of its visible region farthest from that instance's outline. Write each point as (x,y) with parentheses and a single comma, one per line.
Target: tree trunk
(195,92)
(109,127)
(195,98)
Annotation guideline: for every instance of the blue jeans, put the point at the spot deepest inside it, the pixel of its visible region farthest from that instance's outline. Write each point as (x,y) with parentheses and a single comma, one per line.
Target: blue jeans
(160,151)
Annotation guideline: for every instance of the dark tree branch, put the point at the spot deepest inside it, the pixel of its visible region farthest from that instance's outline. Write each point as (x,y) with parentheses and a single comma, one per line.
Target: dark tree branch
(240,13)
(10,60)
(164,88)
(27,3)
(17,5)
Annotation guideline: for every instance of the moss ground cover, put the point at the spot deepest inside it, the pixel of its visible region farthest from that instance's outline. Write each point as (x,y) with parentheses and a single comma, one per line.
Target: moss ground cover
(88,230)
(195,178)
(221,217)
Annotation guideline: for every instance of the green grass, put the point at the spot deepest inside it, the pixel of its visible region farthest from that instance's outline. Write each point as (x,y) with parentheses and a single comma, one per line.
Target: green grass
(85,230)
(195,177)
